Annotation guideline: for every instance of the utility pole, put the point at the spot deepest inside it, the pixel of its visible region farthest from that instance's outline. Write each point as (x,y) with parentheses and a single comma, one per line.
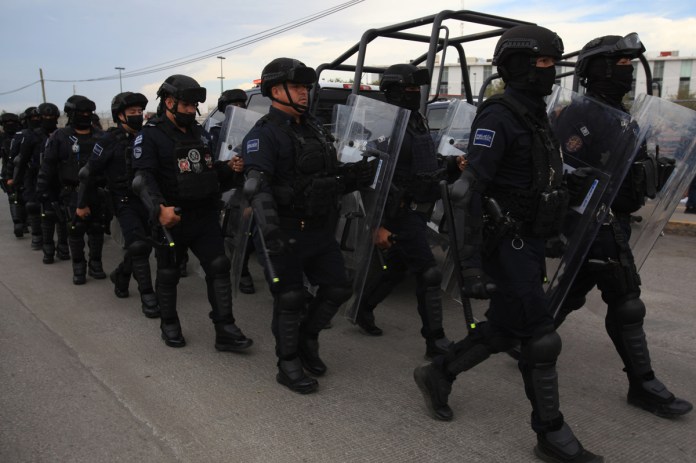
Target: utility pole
(120,83)
(222,78)
(43,86)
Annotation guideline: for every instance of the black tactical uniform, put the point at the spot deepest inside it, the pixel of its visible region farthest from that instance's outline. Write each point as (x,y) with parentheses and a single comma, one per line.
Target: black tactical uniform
(412,196)
(67,151)
(610,265)
(112,158)
(26,168)
(12,126)
(175,164)
(514,160)
(295,205)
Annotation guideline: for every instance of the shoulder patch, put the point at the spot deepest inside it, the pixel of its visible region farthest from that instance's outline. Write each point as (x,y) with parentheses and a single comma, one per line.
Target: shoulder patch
(585,132)
(252,145)
(97,150)
(573,144)
(138,140)
(137,152)
(484,137)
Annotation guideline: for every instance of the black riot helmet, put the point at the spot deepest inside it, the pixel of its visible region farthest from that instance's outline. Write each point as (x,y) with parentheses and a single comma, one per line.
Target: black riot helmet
(282,70)
(183,88)
(30,112)
(597,63)
(403,75)
(531,40)
(516,55)
(49,110)
(79,103)
(10,123)
(8,117)
(397,78)
(228,97)
(125,100)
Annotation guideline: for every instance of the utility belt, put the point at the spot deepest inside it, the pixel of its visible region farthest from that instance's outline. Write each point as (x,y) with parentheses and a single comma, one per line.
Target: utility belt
(425,208)
(539,215)
(302,224)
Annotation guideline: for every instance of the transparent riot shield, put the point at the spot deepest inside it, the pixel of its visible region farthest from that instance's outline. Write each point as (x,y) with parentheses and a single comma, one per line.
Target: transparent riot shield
(238,122)
(236,218)
(214,120)
(670,133)
(596,136)
(451,140)
(367,130)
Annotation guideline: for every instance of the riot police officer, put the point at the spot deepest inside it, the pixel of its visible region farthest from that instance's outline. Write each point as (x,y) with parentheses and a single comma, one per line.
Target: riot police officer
(182,184)
(16,193)
(292,163)
(605,70)
(53,219)
(513,159)
(112,157)
(67,151)
(412,197)
(234,97)
(10,126)
(26,168)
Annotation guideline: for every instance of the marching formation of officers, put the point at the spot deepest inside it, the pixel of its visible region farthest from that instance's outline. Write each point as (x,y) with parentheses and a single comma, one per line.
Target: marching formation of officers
(162,181)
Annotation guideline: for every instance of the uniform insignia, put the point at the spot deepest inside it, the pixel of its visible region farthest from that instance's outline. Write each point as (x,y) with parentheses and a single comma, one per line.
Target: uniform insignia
(585,132)
(209,160)
(573,144)
(75,148)
(484,137)
(97,150)
(194,156)
(138,140)
(252,145)
(184,165)
(137,152)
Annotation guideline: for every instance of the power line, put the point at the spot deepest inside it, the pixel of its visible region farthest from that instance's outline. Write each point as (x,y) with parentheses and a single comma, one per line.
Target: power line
(248,40)
(20,88)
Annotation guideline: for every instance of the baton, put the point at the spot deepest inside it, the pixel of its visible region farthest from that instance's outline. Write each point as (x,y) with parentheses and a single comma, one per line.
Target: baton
(449,217)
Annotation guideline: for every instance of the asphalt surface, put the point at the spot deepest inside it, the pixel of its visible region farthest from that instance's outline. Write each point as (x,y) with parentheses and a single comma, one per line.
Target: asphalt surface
(85,377)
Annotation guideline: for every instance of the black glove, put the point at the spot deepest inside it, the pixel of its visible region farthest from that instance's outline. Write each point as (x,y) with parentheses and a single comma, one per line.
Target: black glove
(477,284)
(277,242)
(578,183)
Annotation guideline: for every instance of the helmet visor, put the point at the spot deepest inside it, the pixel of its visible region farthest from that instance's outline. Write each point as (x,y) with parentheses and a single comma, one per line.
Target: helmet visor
(192,95)
(630,45)
(302,75)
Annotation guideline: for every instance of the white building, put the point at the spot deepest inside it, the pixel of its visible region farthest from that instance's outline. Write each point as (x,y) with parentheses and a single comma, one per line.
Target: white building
(672,76)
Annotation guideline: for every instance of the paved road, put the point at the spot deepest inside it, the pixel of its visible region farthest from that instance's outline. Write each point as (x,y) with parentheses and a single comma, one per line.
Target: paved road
(84,377)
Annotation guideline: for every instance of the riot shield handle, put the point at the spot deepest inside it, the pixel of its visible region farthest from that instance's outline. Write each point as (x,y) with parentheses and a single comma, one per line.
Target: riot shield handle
(449,217)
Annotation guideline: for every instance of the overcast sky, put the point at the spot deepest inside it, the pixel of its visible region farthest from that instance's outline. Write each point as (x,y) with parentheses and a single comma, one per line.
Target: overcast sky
(76,40)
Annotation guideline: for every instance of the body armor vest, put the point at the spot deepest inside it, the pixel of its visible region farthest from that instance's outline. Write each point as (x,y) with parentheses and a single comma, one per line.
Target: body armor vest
(195,177)
(544,205)
(80,151)
(315,189)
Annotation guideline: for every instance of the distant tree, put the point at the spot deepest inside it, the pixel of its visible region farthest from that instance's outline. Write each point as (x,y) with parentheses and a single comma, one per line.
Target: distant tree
(685,98)
(496,87)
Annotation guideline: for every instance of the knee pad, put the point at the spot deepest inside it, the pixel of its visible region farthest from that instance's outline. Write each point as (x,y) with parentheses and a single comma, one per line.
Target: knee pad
(95,227)
(292,301)
(168,276)
(432,276)
(544,348)
(221,264)
(78,229)
(33,208)
(139,249)
(335,294)
(628,312)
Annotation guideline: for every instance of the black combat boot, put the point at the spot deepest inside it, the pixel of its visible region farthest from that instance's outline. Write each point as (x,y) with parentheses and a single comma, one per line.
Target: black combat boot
(366,321)
(120,281)
(246,284)
(62,247)
(436,388)
(166,295)
(228,337)
(291,375)
(308,350)
(95,243)
(562,446)
(653,396)
(149,305)
(79,273)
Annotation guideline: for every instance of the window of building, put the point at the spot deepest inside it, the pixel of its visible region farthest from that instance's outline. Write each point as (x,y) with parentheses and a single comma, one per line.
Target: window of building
(444,84)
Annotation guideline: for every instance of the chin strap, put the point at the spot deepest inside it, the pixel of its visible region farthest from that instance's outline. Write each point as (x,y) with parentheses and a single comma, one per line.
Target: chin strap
(297,107)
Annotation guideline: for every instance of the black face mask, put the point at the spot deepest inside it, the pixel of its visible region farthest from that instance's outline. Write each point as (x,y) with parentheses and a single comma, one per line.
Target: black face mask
(184,120)
(82,121)
(135,122)
(49,125)
(544,80)
(613,87)
(34,123)
(400,97)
